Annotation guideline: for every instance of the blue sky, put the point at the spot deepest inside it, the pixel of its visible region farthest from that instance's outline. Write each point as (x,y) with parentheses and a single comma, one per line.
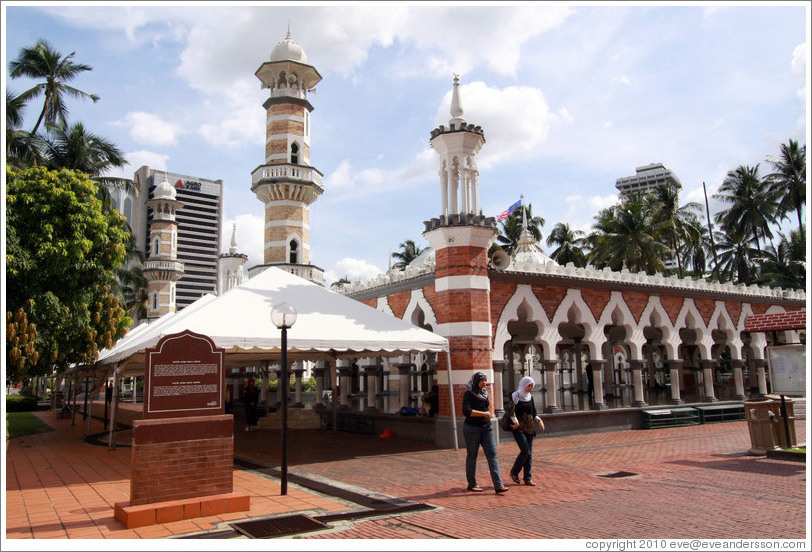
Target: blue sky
(570,96)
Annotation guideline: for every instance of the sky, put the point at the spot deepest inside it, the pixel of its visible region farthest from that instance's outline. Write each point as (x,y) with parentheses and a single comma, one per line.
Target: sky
(571,96)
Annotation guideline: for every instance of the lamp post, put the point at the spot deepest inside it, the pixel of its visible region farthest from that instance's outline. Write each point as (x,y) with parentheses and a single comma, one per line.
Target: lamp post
(283,316)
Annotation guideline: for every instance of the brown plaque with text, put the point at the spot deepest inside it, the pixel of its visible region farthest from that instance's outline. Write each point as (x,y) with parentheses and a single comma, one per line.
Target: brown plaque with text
(184,376)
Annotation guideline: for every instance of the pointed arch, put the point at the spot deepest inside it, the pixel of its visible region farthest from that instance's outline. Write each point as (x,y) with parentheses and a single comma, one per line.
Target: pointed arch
(418,300)
(523,294)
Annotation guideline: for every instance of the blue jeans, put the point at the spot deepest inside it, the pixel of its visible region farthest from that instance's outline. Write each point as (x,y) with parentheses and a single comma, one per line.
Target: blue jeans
(476,436)
(525,457)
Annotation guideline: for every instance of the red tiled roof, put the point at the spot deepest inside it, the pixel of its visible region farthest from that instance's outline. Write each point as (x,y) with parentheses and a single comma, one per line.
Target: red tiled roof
(791,320)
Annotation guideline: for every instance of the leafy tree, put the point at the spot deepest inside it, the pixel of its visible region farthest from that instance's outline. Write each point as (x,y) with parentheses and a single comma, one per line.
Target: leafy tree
(23,149)
(788,182)
(62,250)
(43,62)
(674,224)
(409,251)
(568,244)
(752,204)
(625,236)
(785,266)
(736,256)
(511,230)
(77,149)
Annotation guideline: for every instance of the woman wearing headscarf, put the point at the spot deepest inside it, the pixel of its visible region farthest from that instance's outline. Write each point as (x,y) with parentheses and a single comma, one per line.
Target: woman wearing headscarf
(478,432)
(522,412)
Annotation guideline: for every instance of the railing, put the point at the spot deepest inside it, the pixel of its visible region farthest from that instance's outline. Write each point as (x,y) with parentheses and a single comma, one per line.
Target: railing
(287,172)
(308,272)
(163,265)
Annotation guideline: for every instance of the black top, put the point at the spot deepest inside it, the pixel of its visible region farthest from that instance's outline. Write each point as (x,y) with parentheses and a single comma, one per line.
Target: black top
(470,402)
(525,412)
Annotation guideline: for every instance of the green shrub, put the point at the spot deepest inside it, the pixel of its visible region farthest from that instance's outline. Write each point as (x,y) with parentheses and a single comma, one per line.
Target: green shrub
(21,403)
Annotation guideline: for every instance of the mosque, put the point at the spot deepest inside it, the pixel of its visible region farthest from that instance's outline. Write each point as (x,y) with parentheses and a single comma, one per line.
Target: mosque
(602,345)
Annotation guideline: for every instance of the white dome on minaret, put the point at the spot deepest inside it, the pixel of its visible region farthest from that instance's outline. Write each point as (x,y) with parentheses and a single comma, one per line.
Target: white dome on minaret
(165,190)
(288,50)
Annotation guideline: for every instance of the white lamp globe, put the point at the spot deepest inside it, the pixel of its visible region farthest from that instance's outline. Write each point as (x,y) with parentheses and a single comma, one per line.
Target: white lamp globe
(283,315)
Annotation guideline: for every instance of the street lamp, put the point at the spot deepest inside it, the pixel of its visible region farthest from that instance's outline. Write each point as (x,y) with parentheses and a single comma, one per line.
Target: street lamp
(283,316)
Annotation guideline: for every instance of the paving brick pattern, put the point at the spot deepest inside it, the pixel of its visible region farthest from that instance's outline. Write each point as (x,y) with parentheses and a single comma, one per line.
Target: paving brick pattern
(689,482)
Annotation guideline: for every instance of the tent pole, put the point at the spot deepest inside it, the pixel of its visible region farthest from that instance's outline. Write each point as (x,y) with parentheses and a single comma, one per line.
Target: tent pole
(334,384)
(451,394)
(111,445)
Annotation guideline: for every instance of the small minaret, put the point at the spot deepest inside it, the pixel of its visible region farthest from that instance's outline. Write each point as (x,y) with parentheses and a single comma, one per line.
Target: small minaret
(162,269)
(230,266)
(286,183)
(460,238)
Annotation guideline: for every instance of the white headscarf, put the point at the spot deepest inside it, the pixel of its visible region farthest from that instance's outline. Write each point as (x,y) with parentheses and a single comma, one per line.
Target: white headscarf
(521,394)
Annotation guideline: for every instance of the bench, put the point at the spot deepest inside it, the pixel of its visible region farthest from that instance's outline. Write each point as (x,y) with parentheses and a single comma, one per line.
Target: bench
(669,417)
(720,413)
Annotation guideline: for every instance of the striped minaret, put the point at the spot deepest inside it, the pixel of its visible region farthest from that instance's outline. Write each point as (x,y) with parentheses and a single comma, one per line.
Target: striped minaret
(162,269)
(460,238)
(286,183)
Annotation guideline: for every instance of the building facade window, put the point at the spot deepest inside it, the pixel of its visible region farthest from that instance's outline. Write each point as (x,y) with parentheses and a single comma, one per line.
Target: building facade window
(294,153)
(294,256)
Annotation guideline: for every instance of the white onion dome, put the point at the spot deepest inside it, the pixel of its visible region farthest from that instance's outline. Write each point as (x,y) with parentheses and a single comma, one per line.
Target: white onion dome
(165,190)
(288,50)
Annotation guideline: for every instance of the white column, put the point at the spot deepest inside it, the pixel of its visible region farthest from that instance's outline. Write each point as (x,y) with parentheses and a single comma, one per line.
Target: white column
(552,393)
(674,369)
(637,382)
(707,375)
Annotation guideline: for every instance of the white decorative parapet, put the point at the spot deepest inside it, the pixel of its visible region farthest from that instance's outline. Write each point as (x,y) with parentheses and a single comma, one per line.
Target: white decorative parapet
(589,273)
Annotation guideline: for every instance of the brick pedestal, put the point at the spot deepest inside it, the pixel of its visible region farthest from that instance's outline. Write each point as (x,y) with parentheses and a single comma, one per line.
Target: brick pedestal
(178,465)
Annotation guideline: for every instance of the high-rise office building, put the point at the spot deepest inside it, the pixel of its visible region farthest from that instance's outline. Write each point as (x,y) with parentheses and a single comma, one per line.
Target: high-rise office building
(646,178)
(198,227)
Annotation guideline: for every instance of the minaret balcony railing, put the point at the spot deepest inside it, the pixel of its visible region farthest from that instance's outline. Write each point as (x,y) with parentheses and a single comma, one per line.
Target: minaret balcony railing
(289,93)
(286,172)
(172,266)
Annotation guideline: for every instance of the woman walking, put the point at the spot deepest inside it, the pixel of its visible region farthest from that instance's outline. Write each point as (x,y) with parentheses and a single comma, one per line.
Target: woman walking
(522,412)
(478,432)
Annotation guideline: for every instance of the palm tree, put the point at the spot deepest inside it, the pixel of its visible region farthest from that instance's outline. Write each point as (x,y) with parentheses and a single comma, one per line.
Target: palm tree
(43,62)
(409,252)
(752,204)
(735,256)
(79,150)
(676,224)
(785,266)
(625,236)
(23,149)
(569,245)
(338,283)
(788,181)
(512,228)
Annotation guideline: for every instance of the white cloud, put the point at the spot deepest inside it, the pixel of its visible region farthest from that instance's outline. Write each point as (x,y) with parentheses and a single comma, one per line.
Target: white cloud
(516,120)
(581,209)
(150,129)
(137,159)
(250,238)
(352,269)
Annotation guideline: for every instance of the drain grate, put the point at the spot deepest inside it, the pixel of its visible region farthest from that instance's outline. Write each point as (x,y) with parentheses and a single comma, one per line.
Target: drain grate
(278,526)
(618,474)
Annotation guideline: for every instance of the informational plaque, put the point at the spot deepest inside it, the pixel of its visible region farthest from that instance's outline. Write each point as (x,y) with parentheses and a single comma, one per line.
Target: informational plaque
(787,369)
(184,376)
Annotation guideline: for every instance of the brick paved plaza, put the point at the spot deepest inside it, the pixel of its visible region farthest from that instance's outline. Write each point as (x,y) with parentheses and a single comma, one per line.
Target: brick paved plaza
(689,482)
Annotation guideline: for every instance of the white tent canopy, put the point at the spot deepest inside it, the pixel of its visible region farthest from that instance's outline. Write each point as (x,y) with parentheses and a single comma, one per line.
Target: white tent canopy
(329,325)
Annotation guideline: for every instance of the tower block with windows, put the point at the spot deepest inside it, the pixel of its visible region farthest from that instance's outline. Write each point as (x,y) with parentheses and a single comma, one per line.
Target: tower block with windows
(162,269)
(286,183)
(461,238)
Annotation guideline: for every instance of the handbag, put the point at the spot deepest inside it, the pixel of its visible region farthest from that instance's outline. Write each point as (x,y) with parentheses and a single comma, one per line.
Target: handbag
(505,422)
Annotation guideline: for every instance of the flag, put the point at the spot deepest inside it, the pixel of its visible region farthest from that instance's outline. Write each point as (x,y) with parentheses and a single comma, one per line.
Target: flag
(507,212)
